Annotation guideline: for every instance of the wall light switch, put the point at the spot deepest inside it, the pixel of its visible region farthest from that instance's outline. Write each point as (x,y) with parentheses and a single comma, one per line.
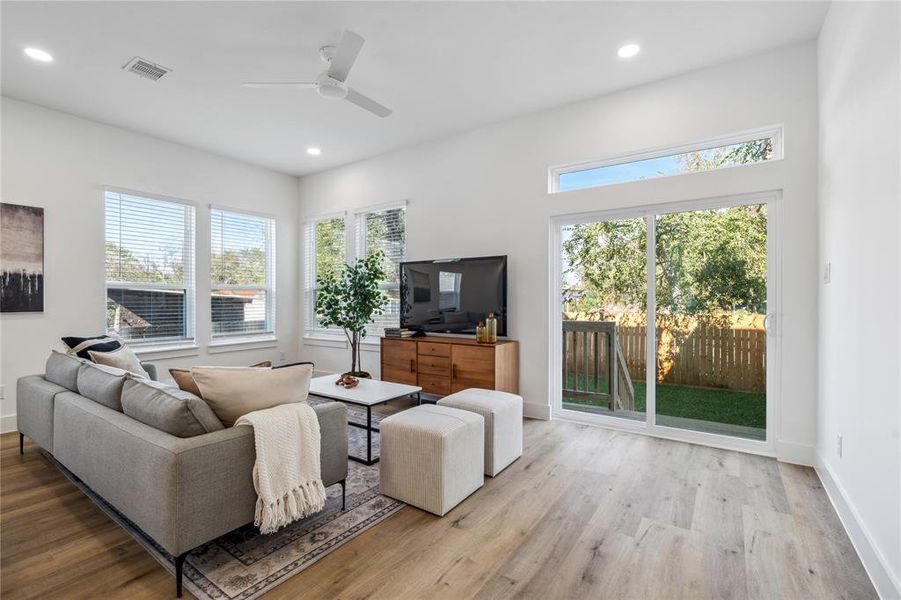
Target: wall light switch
(838,445)
(827,273)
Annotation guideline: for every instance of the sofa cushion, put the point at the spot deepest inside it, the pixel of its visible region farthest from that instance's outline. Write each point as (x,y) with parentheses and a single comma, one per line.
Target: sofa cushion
(62,369)
(185,381)
(101,384)
(167,408)
(235,391)
(123,358)
(99,343)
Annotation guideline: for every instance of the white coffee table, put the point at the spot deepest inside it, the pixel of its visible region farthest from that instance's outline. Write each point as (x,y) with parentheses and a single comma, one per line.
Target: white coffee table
(368,393)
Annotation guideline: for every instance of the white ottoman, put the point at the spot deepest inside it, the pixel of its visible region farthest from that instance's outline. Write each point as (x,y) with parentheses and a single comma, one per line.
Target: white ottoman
(432,456)
(503,423)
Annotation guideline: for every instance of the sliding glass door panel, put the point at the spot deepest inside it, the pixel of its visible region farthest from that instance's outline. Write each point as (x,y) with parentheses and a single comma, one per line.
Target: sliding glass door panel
(711,306)
(604,299)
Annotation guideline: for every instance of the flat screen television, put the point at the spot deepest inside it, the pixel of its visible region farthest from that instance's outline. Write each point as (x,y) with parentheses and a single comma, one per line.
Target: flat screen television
(453,295)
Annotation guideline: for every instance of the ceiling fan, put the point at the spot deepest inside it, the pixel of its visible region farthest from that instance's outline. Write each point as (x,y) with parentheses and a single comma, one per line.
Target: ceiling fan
(331,82)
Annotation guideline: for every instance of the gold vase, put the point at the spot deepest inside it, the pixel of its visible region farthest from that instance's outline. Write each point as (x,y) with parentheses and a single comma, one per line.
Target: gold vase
(491,328)
(481,332)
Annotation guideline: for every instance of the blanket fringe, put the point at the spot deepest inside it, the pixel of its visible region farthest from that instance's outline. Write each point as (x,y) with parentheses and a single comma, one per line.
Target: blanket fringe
(303,500)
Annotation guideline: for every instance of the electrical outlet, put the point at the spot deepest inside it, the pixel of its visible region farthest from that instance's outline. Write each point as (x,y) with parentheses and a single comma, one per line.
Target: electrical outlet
(827,273)
(838,445)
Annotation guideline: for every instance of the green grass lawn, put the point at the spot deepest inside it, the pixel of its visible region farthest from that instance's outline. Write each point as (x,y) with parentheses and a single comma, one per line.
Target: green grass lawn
(705,404)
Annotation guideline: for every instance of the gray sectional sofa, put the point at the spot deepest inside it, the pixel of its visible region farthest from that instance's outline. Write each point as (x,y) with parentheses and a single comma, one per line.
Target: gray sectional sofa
(181,491)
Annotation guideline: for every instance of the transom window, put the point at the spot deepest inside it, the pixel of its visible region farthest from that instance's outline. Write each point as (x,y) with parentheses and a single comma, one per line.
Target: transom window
(242,274)
(748,148)
(149,268)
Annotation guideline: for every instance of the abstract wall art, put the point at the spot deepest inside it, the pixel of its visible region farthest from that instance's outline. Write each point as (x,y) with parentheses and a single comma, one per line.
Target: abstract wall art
(21,258)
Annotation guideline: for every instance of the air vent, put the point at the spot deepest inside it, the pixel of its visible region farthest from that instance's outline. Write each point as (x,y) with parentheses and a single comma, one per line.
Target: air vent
(145,68)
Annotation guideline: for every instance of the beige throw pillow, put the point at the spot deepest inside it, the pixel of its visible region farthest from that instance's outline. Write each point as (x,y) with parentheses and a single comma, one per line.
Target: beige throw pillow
(185,382)
(232,392)
(124,358)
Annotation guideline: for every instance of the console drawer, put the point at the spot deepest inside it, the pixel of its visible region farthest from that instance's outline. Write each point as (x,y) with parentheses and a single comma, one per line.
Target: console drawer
(434,349)
(434,365)
(434,384)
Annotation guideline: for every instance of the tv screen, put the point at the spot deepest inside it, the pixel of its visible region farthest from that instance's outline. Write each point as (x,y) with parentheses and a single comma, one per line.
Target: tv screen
(453,295)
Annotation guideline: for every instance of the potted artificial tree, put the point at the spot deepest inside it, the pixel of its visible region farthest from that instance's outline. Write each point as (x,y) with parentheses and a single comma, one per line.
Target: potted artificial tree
(349,300)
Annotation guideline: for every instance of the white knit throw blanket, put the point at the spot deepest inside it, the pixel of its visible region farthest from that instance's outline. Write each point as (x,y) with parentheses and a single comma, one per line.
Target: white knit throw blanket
(286,473)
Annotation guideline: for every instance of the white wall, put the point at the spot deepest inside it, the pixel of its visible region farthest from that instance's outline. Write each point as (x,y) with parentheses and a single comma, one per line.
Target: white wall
(60,162)
(485,193)
(859,323)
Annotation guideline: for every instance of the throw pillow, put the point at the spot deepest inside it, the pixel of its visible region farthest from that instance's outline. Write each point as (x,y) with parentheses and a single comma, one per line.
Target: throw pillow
(167,408)
(232,392)
(62,369)
(124,358)
(80,346)
(185,382)
(101,384)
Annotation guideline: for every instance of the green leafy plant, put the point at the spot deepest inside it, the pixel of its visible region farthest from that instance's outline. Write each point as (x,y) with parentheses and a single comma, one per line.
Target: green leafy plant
(350,298)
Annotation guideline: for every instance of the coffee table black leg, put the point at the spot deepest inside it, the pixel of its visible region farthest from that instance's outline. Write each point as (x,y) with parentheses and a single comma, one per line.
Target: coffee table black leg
(369,435)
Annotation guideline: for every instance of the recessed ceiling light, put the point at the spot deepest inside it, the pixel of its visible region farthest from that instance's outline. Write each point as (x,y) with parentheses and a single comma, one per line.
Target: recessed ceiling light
(38,54)
(314,151)
(628,51)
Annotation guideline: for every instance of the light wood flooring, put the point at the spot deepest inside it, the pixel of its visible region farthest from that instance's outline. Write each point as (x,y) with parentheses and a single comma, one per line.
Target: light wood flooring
(585,513)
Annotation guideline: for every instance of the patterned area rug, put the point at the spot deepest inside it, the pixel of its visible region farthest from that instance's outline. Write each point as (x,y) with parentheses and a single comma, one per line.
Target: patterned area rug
(245,564)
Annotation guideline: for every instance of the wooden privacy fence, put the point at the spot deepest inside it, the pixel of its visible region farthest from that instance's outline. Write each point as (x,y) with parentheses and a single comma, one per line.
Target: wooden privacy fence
(691,351)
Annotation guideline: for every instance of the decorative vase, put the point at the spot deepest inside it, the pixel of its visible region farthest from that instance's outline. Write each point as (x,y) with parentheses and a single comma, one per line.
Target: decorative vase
(481,332)
(491,329)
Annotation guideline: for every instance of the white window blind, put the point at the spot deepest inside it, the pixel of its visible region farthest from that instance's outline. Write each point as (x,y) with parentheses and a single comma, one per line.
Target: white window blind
(149,268)
(325,253)
(384,230)
(242,274)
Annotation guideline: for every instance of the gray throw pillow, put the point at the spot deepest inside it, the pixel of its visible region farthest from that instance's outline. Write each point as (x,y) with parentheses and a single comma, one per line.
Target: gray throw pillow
(167,408)
(101,384)
(62,369)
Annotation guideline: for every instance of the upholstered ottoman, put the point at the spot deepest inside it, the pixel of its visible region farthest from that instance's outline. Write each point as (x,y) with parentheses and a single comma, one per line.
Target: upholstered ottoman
(432,456)
(503,423)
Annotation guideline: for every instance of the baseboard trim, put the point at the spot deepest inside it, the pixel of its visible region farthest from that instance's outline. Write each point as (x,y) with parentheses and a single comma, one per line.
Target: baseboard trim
(8,423)
(536,411)
(874,562)
(796,454)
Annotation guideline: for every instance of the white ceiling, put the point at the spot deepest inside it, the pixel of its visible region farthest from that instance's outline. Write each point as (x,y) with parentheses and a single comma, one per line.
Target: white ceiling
(443,67)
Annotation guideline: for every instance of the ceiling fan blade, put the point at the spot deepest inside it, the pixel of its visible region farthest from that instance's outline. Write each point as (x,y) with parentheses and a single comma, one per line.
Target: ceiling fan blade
(281,84)
(367,103)
(345,55)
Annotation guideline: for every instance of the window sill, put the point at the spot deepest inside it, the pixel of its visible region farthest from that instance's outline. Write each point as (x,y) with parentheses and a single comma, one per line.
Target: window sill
(236,344)
(163,351)
(325,340)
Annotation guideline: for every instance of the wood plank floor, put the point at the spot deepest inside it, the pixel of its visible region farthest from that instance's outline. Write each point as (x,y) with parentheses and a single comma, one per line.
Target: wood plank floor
(585,513)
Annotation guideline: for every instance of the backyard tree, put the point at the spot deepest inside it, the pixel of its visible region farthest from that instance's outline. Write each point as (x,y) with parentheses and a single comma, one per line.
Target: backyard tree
(707,261)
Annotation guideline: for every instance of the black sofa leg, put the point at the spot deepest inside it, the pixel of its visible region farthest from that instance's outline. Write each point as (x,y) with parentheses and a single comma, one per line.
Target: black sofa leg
(343,483)
(179,571)
(21,443)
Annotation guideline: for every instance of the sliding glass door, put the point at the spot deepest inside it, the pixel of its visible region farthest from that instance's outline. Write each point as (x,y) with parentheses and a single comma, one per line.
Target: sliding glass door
(664,317)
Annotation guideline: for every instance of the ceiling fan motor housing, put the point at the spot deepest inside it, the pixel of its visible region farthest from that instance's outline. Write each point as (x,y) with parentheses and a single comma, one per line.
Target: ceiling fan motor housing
(330,88)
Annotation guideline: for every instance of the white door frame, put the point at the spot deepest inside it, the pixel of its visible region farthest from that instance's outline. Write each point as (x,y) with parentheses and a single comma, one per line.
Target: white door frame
(773,200)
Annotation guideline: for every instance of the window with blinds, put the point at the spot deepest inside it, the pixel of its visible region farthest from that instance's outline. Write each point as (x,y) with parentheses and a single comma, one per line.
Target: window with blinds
(242,274)
(149,268)
(384,230)
(326,253)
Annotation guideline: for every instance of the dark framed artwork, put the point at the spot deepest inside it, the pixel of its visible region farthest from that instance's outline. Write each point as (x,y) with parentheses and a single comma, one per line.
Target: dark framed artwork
(21,258)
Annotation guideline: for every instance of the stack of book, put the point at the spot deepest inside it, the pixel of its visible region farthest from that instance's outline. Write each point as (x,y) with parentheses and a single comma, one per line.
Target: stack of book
(399,332)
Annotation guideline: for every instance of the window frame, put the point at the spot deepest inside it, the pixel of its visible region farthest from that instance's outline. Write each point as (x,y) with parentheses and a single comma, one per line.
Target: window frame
(269,286)
(773,131)
(311,273)
(354,247)
(190,269)
(360,243)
